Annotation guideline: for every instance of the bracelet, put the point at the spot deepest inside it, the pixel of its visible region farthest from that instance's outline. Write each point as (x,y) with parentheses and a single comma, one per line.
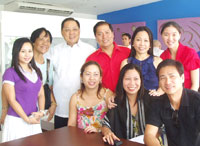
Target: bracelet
(5,108)
(54,103)
(29,121)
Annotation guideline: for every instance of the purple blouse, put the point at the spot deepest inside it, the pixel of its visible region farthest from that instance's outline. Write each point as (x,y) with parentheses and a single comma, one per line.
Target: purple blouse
(26,92)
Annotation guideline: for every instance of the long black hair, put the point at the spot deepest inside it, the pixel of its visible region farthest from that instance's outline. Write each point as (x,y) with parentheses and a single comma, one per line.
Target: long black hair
(18,44)
(120,92)
(137,30)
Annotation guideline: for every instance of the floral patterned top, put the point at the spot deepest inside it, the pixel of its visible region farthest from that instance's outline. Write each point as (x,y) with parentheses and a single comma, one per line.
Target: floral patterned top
(135,126)
(91,116)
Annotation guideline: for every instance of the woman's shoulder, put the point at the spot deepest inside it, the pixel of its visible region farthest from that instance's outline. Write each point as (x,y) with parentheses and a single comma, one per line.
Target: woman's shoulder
(157,60)
(188,57)
(10,74)
(123,63)
(186,49)
(10,70)
(105,93)
(125,60)
(74,97)
(77,93)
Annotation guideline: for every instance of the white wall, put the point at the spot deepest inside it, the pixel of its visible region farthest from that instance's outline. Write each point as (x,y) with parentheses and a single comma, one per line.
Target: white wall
(22,24)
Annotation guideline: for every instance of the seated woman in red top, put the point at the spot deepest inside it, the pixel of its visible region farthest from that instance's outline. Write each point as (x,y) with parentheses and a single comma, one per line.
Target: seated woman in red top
(171,34)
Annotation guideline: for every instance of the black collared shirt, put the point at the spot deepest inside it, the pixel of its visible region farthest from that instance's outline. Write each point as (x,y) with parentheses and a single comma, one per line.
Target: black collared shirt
(181,130)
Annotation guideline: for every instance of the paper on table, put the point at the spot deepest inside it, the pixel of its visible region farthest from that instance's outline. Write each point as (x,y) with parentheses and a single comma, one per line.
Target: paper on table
(138,139)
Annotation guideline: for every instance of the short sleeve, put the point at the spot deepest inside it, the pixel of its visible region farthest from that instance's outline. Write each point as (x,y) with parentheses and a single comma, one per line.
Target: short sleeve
(194,62)
(8,76)
(189,59)
(153,116)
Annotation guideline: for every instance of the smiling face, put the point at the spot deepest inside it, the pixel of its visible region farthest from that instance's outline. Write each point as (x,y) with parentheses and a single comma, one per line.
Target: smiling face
(104,36)
(25,54)
(170,80)
(91,77)
(131,82)
(171,37)
(42,43)
(71,32)
(141,42)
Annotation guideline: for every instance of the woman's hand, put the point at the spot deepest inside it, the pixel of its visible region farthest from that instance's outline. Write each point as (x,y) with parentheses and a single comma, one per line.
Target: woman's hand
(51,111)
(90,129)
(111,102)
(109,137)
(38,114)
(33,120)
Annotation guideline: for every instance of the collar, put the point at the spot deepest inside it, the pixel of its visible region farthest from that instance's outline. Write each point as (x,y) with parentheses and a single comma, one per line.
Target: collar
(179,50)
(26,72)
(184,99)
(116,47)
(78,44)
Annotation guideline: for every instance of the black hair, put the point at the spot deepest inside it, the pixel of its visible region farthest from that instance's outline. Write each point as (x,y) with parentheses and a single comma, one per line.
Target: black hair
(18,44)
(169,62)
(70,19)
(120,92)
(139,29)
(170,23)
(126,34)
(101,23)
(36,34)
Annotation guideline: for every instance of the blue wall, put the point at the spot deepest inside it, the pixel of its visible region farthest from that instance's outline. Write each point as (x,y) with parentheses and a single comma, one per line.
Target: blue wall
(150,13)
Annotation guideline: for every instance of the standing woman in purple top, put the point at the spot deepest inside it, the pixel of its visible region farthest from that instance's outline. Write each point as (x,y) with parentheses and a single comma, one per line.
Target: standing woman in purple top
(24,91)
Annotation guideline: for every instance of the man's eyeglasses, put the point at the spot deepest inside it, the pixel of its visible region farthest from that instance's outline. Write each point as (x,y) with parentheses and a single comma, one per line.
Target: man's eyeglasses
(175,118)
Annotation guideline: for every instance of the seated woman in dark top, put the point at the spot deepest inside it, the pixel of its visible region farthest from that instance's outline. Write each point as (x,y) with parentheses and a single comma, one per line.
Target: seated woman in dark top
(127,119)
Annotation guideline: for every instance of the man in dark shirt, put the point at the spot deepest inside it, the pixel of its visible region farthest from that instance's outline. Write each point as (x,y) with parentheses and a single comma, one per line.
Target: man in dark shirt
(178,109)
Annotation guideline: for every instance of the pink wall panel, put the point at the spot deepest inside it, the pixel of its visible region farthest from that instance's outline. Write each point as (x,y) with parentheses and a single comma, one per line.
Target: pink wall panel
(119,29)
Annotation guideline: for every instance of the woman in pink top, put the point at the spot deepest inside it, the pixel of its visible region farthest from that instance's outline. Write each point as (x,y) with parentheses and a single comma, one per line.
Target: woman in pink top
(87,105)
(171,34)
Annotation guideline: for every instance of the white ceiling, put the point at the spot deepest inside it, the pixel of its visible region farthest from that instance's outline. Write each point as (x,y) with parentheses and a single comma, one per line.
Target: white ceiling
(93,7)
